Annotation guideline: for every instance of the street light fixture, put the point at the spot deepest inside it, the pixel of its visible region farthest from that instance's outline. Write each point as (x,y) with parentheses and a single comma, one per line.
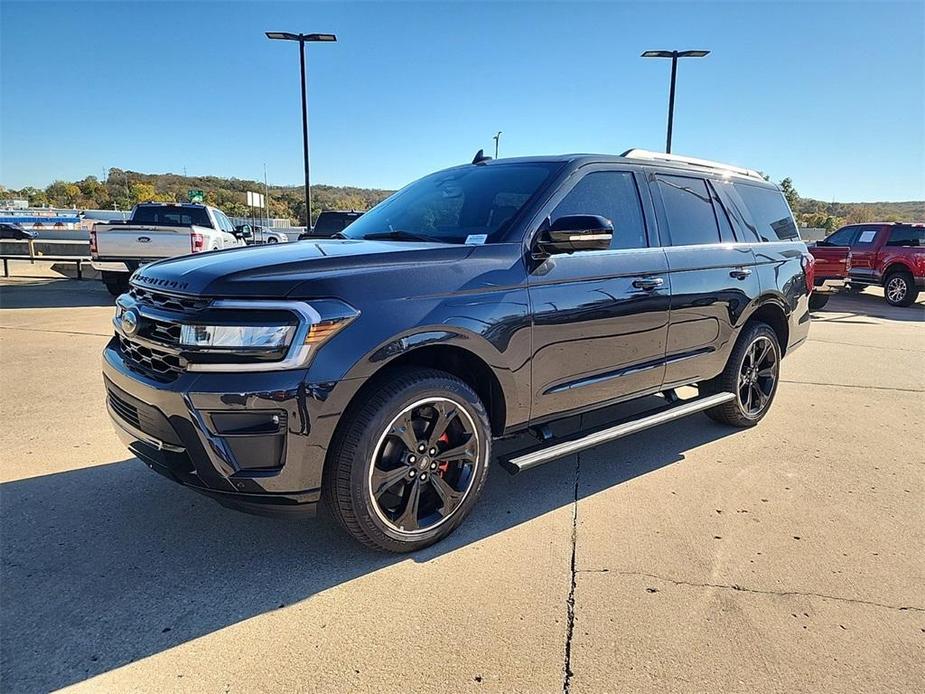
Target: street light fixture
(674,55)
(303,39)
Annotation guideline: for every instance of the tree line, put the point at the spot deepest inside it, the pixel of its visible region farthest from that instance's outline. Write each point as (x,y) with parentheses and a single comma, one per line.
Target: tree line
(122,189)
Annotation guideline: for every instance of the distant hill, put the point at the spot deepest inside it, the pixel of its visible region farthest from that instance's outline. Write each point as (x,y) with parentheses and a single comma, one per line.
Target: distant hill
(123,189)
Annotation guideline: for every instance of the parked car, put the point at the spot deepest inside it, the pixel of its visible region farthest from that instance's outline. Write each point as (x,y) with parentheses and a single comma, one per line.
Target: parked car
(15,232)
(886,254)
(375,370)
(257,235)
(330,223)
(157,230)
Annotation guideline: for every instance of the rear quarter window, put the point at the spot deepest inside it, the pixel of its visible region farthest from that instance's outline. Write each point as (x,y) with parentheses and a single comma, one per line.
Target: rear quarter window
(770,212)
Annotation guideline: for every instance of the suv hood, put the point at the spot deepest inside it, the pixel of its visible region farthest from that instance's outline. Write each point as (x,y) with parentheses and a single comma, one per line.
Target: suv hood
(279,270)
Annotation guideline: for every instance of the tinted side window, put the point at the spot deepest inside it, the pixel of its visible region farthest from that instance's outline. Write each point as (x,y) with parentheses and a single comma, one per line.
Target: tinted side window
(689,210)
(907,236)
(842,237)
(611,194)
(770,211)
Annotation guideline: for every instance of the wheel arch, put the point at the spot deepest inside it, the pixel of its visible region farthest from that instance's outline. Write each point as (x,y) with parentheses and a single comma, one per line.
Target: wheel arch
(894,267)
(772,312)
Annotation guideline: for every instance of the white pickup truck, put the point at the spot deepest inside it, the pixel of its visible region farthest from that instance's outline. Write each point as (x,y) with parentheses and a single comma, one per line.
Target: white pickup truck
(157,230)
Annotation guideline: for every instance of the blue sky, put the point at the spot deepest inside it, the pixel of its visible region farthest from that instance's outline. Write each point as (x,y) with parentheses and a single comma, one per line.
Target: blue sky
(831,94)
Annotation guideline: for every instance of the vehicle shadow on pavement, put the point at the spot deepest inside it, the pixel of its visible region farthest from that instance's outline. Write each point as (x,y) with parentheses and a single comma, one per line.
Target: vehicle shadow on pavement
(106,565)
(865,305)
(53,293)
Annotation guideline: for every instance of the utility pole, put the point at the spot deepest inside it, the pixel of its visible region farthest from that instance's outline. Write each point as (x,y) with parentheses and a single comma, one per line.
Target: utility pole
(497,139)
(674,55)
(266,195)
(302,39)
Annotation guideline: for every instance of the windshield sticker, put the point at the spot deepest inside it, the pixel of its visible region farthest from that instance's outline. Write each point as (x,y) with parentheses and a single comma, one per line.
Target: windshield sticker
(867,236)
(476,239)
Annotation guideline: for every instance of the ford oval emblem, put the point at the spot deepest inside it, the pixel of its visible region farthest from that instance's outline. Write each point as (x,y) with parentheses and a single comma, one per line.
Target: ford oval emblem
(144,239)
(130,322)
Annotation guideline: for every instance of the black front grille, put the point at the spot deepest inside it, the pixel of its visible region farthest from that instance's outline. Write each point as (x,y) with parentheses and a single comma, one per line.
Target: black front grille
(160,364)
(162,331)
(167,302)
(124,409)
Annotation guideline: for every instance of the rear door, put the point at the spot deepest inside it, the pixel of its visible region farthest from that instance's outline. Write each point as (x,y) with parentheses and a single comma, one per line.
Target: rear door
(712,276)
(600,317)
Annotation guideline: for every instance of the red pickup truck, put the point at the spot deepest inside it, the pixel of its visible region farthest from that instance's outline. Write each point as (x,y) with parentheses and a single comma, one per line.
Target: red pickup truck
(886,254)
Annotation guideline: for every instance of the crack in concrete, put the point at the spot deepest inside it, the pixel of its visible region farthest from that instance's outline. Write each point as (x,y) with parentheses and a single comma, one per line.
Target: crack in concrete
(743,589)
(855,344)
(570,601)
(850,385)
(58,332)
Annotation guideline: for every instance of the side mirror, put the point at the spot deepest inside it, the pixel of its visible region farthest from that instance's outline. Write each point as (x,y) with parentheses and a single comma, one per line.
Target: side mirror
(576,232)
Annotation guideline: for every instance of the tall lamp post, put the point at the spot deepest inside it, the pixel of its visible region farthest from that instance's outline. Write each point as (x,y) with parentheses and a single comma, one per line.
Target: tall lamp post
(303,39)
(674,55)
(497,138)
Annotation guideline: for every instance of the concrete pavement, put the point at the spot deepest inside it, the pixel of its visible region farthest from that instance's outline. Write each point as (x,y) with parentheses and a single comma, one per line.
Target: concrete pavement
(690,558)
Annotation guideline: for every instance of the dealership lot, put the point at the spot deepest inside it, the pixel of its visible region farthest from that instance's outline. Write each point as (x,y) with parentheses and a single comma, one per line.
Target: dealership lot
(689,558)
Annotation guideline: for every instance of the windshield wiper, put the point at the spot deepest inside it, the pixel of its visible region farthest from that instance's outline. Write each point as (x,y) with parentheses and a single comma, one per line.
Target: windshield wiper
(396,235)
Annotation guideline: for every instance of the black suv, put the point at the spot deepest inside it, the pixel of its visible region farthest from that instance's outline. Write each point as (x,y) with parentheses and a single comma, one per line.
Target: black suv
(374,370)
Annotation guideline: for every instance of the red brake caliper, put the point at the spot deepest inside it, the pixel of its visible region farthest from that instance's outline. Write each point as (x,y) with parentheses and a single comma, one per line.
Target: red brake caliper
(442,467)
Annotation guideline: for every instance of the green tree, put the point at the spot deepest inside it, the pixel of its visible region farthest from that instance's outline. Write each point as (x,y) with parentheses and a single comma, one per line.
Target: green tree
(790,193)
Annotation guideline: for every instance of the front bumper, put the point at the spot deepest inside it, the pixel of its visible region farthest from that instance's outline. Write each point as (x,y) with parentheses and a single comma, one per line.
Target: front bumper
(253,441)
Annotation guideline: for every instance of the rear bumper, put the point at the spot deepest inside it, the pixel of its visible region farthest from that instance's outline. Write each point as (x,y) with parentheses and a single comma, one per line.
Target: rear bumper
(252,441)
(109,266)
(829,286)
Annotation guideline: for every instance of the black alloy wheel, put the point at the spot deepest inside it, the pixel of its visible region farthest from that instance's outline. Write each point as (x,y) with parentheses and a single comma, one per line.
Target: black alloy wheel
(424,465)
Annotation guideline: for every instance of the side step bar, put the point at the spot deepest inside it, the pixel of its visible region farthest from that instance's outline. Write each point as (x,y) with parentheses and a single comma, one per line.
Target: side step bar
(525,461)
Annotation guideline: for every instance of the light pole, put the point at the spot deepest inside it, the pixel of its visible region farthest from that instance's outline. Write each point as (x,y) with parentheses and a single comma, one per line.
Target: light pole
(674,55)
(302,39)
(497,139)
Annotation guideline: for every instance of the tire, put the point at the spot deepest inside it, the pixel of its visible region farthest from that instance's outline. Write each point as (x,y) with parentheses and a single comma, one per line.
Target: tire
(817,300)
(270,239)
(116,282)
(899,289)
(748,410)
(373,448)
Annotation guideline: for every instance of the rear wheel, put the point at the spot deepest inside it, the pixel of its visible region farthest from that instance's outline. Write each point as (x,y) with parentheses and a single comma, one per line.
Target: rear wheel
(752,373)
(272,239)
(116,282)
(410,463)
(899,289)
(817,300)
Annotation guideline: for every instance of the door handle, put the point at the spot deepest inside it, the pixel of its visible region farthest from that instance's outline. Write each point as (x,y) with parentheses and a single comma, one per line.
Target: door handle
(740,273)
(648,283)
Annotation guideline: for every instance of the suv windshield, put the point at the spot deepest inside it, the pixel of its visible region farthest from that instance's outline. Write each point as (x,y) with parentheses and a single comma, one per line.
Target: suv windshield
(171,216)
(450,206)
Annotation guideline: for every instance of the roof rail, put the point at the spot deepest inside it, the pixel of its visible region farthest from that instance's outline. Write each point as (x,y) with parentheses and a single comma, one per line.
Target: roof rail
(692,161)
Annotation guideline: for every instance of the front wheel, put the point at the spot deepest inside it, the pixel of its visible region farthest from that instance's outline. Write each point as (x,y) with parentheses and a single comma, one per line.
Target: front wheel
(752,373)
(900,290)
(409,464)
(271,239)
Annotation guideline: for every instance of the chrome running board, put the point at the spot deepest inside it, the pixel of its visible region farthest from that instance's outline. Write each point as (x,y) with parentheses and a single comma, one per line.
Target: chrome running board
(525,461)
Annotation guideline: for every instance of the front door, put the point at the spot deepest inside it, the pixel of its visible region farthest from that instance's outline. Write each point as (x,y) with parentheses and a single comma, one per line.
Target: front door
(600,317)
(863,256)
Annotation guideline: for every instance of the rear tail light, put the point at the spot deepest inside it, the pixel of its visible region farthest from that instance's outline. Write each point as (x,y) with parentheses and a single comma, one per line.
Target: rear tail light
(197,242)
(93,251)
(809,271)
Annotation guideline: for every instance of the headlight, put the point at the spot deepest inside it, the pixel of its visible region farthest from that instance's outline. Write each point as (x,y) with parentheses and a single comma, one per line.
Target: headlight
(239,341)
(236,336)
